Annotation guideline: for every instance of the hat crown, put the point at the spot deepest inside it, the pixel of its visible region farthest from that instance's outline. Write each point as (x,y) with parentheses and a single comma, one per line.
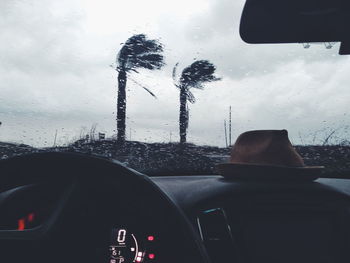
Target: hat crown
(265,147)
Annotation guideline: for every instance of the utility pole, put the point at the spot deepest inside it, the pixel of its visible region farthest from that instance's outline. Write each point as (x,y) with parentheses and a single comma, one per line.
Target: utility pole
(230,128)
(54,142)
(225,128)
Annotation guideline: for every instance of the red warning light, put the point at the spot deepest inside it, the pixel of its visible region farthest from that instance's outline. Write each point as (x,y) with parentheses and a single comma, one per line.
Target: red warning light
(21,224)
(150,238)
(30,217)
(151,256)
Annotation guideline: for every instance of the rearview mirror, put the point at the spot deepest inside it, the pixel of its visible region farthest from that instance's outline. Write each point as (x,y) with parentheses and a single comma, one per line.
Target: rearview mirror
(296,21)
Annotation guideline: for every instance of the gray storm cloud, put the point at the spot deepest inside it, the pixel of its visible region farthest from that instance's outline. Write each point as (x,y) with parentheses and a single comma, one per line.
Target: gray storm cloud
(55,74)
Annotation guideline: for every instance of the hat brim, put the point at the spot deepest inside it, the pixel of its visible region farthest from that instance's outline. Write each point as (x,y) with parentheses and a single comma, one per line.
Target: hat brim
(242,171)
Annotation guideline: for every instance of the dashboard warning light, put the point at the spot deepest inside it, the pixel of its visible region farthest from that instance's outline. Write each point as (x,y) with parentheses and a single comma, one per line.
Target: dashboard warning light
(150,238)
(151,256)
(31,217)
(21,224)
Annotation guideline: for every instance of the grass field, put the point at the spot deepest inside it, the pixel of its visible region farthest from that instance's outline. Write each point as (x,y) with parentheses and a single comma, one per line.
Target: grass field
(173,158)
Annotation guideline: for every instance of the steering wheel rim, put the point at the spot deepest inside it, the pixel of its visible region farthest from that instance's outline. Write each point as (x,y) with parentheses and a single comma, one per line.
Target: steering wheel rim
(82,172)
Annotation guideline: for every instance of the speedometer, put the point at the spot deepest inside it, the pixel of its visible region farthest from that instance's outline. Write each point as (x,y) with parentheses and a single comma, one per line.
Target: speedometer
(126,247)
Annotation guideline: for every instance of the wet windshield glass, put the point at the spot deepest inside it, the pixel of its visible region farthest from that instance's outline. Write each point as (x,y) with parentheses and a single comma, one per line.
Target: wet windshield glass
(162,86)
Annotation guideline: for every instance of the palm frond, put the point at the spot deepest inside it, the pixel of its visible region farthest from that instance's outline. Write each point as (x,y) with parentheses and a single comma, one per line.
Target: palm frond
(149,61)
(150,92)
(198,85)
(197,73)
(136,47)
(174,75)
(190,97)
(144,87)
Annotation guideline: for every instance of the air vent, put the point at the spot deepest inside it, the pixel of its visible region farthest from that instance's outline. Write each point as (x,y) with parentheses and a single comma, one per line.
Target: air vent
(216,235)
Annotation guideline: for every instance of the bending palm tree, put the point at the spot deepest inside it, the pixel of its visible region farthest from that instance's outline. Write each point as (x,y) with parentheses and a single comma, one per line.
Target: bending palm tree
(193,76)
(137,52)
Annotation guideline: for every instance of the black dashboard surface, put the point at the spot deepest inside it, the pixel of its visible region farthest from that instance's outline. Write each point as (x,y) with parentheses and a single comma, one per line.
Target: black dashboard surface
(249,222)
(189,191)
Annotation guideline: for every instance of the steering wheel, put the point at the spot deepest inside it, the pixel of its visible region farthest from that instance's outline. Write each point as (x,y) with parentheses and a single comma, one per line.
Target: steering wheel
(96,194)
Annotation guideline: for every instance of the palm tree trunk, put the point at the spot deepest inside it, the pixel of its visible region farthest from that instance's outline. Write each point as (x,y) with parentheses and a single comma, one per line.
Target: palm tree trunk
(183,121)
(121,107)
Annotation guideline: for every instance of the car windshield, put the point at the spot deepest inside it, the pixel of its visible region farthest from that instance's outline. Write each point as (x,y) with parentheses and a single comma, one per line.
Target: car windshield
(164,87)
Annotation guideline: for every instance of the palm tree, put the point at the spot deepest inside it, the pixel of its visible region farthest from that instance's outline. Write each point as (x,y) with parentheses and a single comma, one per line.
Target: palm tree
(193,76)
(136,52)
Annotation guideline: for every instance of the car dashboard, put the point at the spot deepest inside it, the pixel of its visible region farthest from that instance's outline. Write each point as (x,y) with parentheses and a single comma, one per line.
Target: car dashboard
(274,222)
(92,210)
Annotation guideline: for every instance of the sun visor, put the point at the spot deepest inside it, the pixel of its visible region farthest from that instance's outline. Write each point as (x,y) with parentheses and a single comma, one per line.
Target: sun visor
(296,21)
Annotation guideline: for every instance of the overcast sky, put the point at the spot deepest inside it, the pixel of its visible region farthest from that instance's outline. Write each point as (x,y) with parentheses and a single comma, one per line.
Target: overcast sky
(56,73)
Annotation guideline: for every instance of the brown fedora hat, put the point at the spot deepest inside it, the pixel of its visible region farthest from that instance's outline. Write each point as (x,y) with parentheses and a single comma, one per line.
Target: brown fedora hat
(266,154)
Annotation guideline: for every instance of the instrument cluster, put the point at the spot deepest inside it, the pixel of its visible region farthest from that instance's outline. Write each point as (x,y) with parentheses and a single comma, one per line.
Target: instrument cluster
(127,246)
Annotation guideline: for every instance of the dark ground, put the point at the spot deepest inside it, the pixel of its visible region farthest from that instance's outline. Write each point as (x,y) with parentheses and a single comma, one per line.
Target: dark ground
(173,158)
